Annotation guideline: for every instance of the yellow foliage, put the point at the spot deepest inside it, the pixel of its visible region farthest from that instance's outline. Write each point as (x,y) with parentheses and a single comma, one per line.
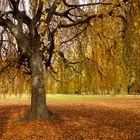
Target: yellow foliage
(136,24)
(41,48)
(45,53)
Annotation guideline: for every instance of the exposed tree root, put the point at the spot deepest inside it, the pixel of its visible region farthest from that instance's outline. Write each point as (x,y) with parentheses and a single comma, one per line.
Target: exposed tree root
(45,116)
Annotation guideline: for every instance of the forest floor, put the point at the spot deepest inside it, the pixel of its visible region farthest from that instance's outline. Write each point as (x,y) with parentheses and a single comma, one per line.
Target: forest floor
(85,118)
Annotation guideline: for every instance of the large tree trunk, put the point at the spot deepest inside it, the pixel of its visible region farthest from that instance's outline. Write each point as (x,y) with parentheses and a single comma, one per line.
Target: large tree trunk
(38,100)
(39,109)
(29,48)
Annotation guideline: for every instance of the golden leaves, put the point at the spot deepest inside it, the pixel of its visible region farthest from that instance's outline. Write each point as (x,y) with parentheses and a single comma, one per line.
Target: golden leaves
(41,48)
(83,120)
(135,24)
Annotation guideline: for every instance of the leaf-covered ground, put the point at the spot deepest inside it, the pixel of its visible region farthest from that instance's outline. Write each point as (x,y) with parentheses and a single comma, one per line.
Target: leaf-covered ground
(117,119)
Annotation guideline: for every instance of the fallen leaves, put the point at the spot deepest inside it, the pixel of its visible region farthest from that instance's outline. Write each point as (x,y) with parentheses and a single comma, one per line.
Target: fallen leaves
(93,120)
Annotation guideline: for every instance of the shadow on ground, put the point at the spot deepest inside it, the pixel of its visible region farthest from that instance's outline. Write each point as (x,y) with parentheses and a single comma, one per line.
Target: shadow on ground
(4,116)
(10,114)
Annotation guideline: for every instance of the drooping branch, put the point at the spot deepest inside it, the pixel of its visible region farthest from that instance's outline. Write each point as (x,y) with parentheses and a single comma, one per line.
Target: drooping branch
(80,21)
(9,65)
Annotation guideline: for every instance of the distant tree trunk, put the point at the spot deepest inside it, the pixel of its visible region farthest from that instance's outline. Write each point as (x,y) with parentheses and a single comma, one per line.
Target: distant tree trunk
(4,91)
(129,87)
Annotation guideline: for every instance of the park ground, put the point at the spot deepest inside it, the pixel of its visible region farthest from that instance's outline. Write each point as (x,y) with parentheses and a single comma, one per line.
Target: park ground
(85,118)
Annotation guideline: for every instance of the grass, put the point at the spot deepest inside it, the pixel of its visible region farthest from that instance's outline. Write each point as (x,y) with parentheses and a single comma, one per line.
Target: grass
(73,98)
(68,98)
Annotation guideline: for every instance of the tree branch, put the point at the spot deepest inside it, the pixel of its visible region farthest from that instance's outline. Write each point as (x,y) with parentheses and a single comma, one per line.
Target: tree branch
(8,24)
(38,14)
(76,35)
(80,21)
(51,11)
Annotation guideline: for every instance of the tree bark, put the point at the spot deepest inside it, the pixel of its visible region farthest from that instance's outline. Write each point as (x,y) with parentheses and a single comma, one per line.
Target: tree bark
(39,109)
(38,99)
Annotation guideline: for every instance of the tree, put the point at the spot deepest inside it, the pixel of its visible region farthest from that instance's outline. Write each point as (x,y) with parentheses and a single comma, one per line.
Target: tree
(38,32)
